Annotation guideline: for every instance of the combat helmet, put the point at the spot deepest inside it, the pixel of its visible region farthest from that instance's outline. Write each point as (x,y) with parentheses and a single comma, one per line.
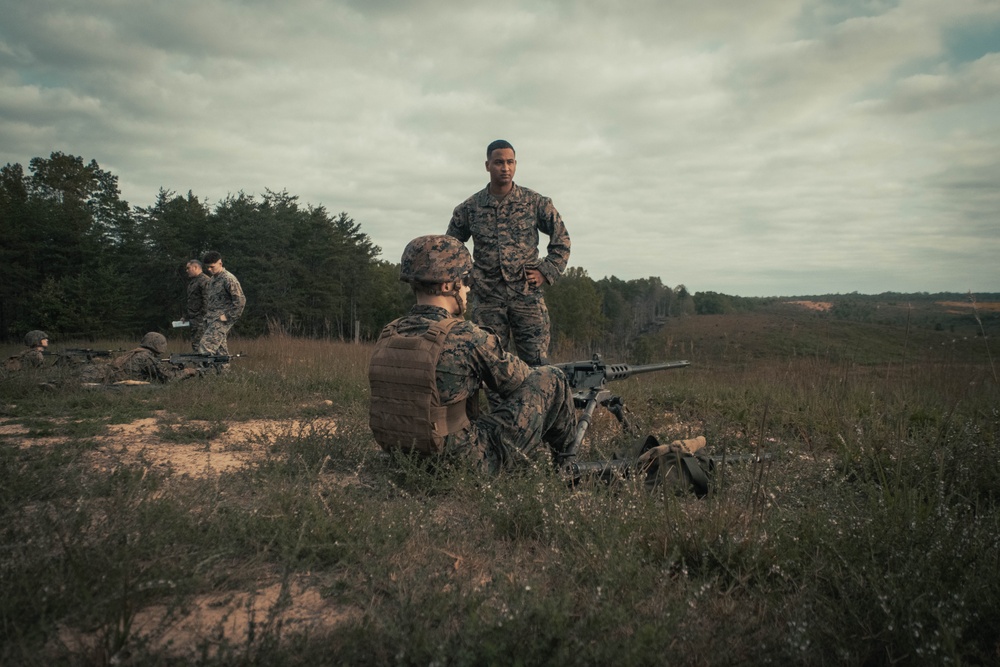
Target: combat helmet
(155,342)
(434,259)
(34,338)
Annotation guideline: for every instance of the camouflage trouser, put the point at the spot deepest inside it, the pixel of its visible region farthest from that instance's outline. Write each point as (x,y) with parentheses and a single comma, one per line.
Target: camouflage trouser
(213,341)
(509,311)
(197,331)
(538,417)
(98,373)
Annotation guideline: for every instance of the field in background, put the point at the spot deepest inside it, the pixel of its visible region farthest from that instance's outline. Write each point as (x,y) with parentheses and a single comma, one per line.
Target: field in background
(249,518)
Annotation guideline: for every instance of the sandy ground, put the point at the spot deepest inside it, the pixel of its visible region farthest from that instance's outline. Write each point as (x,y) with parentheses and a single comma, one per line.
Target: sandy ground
(212,621)
(964,307)
(953,307)
(227,451)
(143,440)
(207,620)
(821,306)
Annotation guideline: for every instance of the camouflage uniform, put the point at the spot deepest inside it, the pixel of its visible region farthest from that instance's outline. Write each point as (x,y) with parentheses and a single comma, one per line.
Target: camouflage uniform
(143,364)
(505,237)
(536,404)
(223,296)
(138,364)
(196,289)
(31,357)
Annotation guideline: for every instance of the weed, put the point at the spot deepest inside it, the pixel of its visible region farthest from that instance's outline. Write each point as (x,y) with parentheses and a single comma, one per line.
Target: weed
(869,535)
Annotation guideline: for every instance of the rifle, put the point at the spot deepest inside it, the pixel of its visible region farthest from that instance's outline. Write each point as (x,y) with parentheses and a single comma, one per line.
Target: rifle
(588,380)
(78,355)
(202,361)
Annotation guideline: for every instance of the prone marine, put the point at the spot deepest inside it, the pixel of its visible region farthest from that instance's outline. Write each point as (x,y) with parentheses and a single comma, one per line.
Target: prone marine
(141,364)
(36,342)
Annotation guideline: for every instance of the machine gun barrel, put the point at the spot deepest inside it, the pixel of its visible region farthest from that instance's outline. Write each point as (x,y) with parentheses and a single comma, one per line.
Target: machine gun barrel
(70,355)
(623,371)
(196,359)
(594,373)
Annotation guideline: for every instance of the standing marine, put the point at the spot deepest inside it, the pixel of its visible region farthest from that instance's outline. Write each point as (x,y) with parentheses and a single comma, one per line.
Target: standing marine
(197,285)
(428,366)
(504,220)
(224,303)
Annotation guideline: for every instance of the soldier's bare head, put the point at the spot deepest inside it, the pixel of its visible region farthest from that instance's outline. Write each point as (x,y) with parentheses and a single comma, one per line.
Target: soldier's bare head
(213,262)
(494,145)
(501,163)
(194,267)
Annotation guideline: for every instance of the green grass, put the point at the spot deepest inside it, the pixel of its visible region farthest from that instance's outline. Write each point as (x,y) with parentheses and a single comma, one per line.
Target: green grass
(870,536)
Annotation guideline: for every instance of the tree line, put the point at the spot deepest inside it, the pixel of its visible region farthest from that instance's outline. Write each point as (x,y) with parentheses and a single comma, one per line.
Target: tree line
(81,263)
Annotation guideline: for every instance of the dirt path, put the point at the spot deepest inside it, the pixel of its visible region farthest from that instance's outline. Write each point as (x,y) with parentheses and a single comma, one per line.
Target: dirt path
(217,619)
(154,440)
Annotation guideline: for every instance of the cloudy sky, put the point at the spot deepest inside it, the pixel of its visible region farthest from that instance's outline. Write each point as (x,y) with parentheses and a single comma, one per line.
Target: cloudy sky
(774,147)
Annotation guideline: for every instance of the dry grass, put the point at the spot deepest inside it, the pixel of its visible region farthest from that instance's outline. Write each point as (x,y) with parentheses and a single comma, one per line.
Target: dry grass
(868,537)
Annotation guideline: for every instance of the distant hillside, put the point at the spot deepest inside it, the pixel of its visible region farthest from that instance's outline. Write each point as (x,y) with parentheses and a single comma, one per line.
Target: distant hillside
(855,328)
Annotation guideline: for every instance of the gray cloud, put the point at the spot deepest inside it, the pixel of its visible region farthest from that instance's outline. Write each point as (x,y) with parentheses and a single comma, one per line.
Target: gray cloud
(966,85)
(783,148)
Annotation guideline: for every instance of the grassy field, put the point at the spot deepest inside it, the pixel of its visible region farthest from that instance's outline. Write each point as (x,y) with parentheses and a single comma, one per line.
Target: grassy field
(249,519)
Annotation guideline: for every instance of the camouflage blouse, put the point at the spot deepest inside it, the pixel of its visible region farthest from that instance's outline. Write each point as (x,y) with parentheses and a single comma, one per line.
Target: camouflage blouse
(505,235)
(196,289)
(224,296)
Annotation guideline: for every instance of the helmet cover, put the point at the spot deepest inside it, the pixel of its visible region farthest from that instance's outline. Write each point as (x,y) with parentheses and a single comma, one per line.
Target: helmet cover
(156,342)
(434,259)
(34,338)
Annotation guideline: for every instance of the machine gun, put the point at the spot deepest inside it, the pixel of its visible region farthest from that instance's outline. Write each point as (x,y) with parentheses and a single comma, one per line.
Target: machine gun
(588,380)
(78,355)
(202,362)
(685,465)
